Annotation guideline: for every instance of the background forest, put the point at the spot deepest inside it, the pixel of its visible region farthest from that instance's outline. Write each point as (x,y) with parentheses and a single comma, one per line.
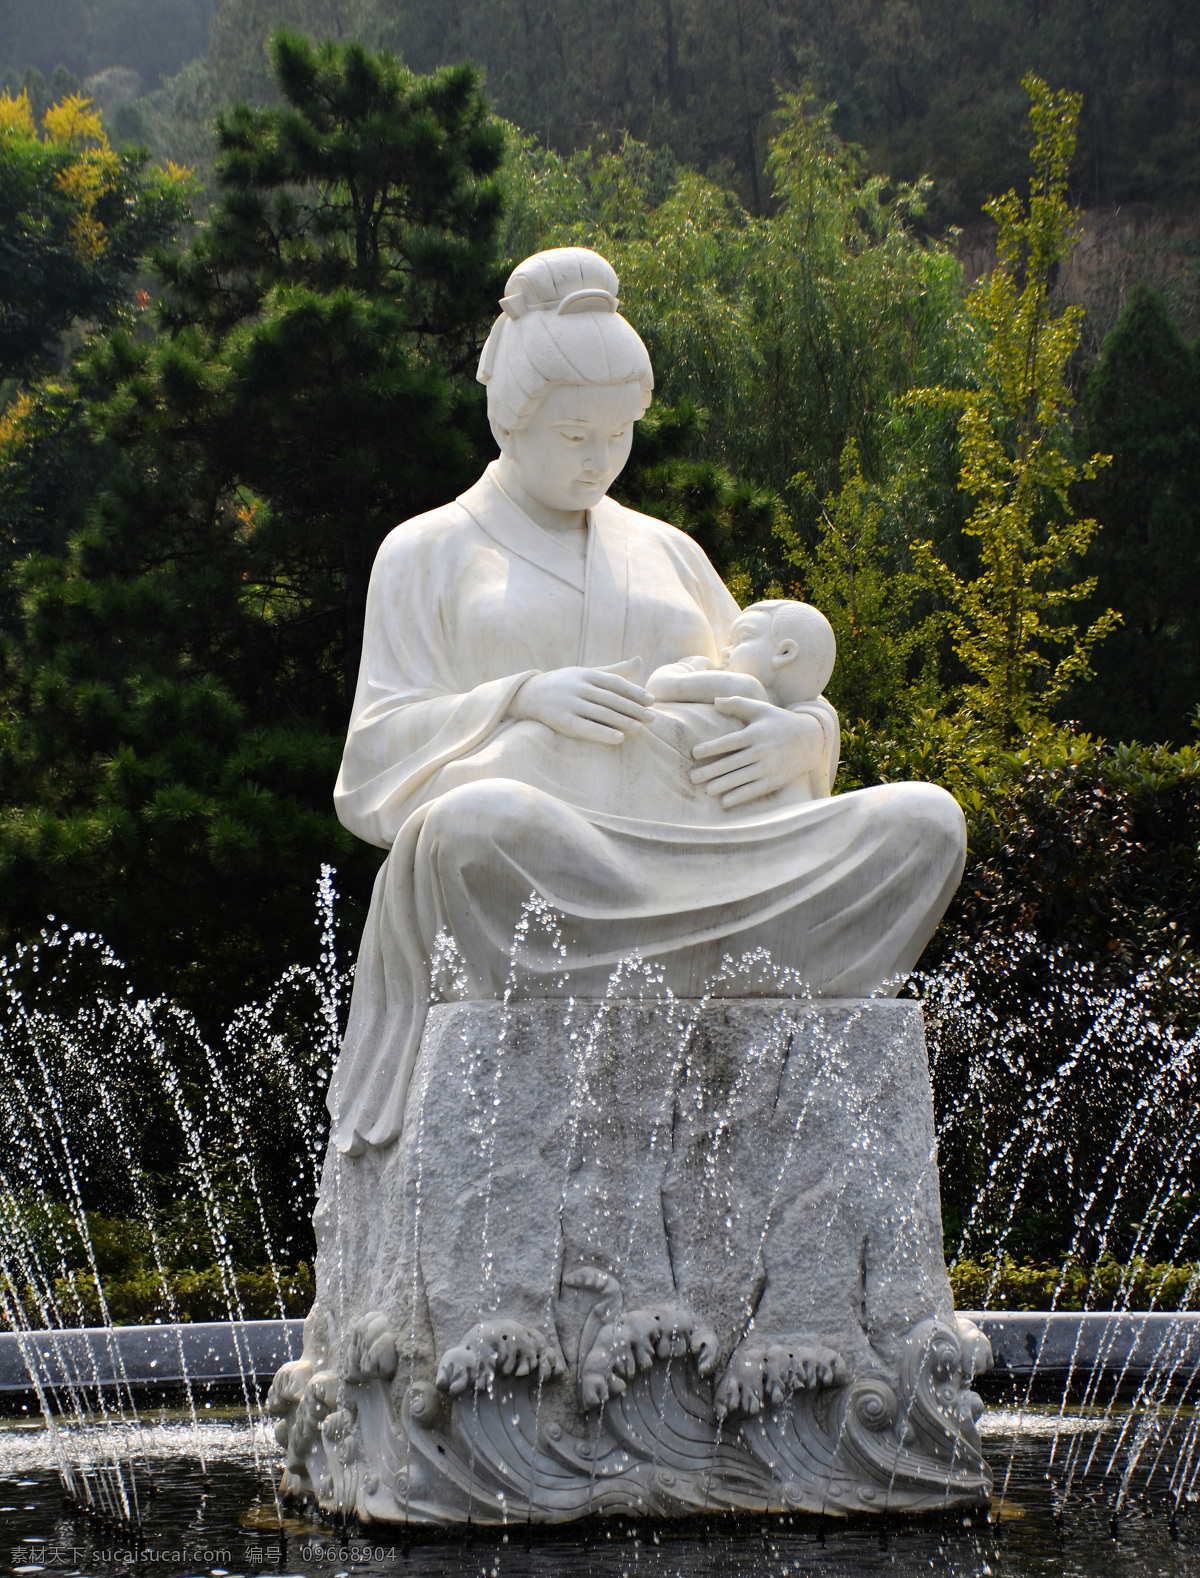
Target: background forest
(241,302)
(928,88)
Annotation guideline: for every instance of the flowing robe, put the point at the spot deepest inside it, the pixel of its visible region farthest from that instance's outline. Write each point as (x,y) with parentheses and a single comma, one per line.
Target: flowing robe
(835,896)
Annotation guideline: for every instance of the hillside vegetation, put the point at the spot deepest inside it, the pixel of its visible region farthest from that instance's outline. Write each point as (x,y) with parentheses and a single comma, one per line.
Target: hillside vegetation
(928,87)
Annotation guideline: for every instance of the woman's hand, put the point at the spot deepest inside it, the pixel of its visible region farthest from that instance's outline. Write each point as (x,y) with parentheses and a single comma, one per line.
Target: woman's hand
(601,704)
(773,750)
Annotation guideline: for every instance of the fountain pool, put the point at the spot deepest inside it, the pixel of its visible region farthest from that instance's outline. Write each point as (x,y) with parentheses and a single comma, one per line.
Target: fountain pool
(1092,1474)
(226,1523)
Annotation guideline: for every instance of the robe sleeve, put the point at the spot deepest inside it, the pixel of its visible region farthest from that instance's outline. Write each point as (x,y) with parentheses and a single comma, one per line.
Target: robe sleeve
(412,712)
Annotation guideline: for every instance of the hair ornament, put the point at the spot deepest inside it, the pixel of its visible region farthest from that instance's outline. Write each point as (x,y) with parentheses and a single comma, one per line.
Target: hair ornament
(593,300)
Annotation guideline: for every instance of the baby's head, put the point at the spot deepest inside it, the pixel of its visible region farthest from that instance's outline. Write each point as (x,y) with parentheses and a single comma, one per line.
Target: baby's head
(788,647)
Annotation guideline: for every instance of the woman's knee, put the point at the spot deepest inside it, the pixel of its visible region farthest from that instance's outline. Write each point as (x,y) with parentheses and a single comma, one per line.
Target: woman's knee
(481,815)
(940,824)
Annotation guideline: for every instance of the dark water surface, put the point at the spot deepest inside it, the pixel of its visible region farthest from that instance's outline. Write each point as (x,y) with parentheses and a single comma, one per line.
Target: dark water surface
(229,1527)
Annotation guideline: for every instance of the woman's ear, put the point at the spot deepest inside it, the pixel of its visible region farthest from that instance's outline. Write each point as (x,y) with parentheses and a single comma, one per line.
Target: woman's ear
(785,652)
(502,435)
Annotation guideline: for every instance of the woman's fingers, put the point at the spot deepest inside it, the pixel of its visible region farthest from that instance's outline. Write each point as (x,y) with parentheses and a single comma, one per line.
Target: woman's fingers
(747,708)
(730,781)
(735,740)
(617,685)
(750,791)
(733,764)
(610,717)
(616,701)
(586,729)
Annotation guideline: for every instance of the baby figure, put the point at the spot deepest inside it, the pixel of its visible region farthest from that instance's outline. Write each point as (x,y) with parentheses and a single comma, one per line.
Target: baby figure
(780,651)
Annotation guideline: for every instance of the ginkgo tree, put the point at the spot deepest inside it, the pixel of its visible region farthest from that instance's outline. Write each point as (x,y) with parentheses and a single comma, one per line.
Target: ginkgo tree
(75,217)
(1012,624)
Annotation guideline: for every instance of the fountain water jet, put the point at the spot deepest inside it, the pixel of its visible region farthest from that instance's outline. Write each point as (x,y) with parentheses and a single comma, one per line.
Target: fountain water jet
(1117,1449)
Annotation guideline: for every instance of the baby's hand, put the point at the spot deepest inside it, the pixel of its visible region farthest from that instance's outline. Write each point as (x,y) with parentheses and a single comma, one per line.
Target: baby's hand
(682,682)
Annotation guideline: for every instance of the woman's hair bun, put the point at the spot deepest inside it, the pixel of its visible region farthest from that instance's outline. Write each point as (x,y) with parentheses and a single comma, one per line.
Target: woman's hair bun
(562,279)
(560,325)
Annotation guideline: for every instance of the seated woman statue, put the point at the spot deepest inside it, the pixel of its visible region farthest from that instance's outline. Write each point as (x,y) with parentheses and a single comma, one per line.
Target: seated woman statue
(503,744)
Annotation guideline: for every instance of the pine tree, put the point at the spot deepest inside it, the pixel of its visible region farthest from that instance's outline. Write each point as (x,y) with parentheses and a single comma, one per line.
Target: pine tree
(189,661)
(1141,404)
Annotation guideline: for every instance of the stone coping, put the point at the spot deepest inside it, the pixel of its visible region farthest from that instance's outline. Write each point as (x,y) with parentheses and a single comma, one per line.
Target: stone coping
(223,1351)
(1128,1342)
(148,1355)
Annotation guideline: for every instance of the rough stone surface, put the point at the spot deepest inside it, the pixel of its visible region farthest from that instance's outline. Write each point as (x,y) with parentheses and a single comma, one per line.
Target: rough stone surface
(642,1256)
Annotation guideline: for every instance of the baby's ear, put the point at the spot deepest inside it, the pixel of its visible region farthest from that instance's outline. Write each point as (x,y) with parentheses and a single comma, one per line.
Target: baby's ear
(785,652)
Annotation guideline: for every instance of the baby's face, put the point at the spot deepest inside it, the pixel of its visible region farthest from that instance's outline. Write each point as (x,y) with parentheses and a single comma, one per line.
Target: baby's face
(751,648)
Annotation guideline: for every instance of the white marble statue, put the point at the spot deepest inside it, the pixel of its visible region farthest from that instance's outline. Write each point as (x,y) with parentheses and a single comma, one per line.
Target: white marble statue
(705,1183)
(501,738)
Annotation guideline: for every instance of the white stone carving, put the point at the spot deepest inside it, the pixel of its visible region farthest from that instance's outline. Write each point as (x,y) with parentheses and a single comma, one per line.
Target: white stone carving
(694,1248)
(613,1217)
(492,1348)
(766,1373)
(616,1344)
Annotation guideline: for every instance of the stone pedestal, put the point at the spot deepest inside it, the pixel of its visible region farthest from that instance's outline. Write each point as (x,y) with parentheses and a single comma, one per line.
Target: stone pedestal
(656,1257)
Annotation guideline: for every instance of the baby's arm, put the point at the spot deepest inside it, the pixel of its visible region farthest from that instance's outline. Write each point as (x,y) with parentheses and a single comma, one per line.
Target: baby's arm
(699,679)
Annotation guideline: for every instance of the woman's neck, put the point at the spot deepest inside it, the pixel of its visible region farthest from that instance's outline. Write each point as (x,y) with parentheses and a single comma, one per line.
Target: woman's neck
(570,525)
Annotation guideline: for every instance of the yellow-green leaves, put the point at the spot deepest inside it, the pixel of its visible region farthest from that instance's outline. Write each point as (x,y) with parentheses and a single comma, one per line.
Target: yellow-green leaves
(887,634)
(1012,623)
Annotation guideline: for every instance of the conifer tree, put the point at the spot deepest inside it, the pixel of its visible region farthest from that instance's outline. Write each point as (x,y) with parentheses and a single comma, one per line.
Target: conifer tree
(1141,404)
(189,661)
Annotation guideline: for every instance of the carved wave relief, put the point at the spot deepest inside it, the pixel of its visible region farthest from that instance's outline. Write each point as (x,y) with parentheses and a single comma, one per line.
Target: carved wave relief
(662,1439)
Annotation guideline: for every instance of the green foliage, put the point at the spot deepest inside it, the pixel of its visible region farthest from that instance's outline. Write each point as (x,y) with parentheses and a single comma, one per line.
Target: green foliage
(1087,846)
(1009,620)
(49,469)
(1141,404)
(887,636)
(134,1277)
(152,37)
(187,664)
(927,86)
(1064,978)
(1004,1283)
(735,523)
(75,218)
(150,1296)
(793,333)
(238,57)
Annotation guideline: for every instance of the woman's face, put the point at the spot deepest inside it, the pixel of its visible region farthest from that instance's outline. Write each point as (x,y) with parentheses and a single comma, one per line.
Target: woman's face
(575,443)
